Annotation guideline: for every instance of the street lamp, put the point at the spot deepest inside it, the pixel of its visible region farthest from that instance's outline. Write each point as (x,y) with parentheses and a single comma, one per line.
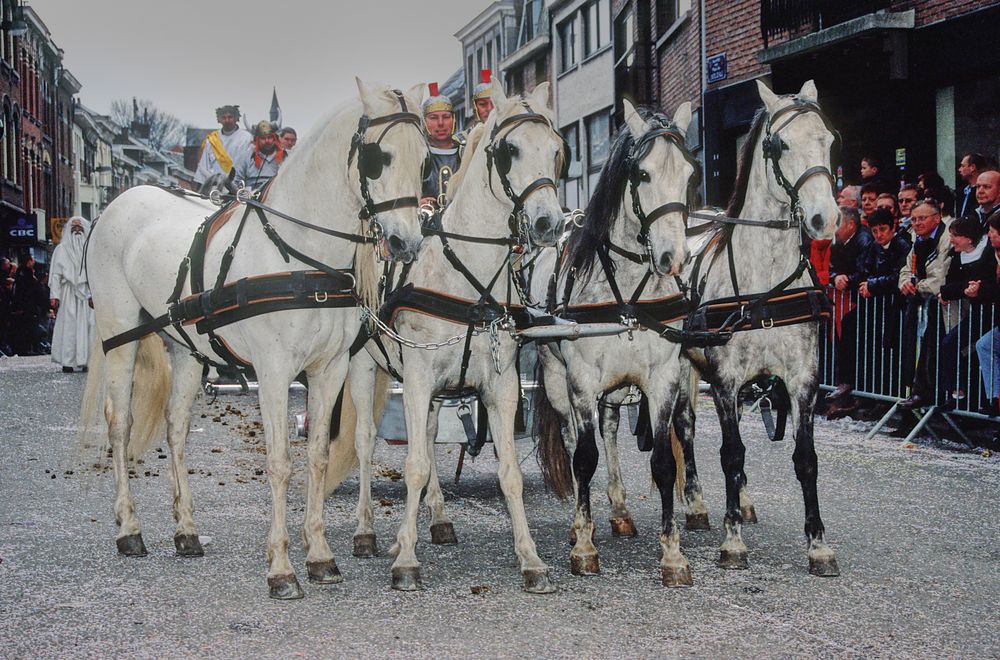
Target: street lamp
(17,26)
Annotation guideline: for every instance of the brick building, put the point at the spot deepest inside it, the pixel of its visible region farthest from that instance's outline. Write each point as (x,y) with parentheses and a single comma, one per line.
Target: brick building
(527,63)
(910,82)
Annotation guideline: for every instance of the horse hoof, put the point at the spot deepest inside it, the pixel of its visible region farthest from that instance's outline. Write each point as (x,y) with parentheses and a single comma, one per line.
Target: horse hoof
(733,560)
(131,546)
(536,581)
(585,564)
(365,546)
(284,587)
(443,534)
(188,545)
(697,522)
(824,567)
(406,578)
(676,576)
(623,527)
(324,572)
(749,514)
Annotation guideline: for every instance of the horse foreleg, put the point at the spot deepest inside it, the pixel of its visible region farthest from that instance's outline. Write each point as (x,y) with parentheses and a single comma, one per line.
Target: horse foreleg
(733,553)
(674,568)
(118,410)
(186,385)
(416,400)
(822,561)
(281,581)
(325,384)
(583,557)
(362,387)
(442,529)
(609,411)
(684,425)
(501,405)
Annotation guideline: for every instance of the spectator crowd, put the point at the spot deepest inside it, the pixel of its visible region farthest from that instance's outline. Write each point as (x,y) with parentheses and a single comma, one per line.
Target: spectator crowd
(914,273)
(26,316)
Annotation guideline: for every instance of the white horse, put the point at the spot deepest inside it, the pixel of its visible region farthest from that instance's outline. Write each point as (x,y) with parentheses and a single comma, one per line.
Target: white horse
(624,260)
(507,191)
(784,183)
(364,161)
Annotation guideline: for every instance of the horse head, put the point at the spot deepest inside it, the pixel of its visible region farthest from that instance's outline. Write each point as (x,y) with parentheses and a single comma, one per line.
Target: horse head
(795,144)
(658,170)
(526,156)
(387,158)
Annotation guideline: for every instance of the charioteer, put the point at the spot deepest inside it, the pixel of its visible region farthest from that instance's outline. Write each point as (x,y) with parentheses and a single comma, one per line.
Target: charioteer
(439,122)
(260,162)
(222,147)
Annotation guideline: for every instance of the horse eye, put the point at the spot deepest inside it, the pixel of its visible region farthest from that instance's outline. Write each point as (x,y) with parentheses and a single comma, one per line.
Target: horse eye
(386,159)
(644,176)
(512,150)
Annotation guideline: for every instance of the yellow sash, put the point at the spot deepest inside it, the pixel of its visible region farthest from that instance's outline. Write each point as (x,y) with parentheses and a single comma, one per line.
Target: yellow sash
(225,162)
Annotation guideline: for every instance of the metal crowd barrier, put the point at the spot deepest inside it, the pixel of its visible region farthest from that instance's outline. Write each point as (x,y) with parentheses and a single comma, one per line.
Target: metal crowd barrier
(888,341)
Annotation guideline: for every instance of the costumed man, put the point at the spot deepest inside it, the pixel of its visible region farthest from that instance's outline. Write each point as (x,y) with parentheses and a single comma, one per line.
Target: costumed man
(482,96)
(439,122)
(221,147)
(260,162)
(70,294)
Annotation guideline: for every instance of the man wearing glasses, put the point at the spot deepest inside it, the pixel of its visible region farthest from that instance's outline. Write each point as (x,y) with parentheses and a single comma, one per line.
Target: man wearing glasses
(920,282)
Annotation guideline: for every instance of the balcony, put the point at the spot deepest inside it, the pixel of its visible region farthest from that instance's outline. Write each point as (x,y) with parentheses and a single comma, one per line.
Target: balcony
(778,17)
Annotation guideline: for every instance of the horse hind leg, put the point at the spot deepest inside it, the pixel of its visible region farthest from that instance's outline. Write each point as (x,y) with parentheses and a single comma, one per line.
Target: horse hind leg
(584,559)
(281,581)
(325,384)
(120,364)
(362,381)
(442,529)
(675,571)
(186,385)
(822,560)
(609,412)
(683,425)
(747,509)
(733,552)
(501,405)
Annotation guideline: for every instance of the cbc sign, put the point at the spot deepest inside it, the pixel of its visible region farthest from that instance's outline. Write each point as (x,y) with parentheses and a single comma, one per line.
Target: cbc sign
(20,229)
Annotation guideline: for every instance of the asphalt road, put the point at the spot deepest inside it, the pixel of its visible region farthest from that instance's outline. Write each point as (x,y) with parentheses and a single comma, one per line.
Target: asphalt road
(914,529)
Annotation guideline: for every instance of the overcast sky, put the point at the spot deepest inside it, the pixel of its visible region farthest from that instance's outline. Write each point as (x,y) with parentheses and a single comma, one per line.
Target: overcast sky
(190,56)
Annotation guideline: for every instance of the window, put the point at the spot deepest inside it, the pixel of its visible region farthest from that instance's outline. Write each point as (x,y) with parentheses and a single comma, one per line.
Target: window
(5,142)
(596,26)
(669,12)
(598,139)
(571,134)
(625,38)
(567,45)
(541,70)
(531,21)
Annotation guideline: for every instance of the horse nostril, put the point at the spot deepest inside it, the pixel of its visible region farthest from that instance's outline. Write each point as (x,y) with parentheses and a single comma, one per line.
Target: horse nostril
(396,244)
(666,259)
(818,222)
(543,224)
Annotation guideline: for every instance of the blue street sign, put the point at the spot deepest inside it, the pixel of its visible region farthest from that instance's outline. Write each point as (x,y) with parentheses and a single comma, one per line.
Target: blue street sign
(717,68)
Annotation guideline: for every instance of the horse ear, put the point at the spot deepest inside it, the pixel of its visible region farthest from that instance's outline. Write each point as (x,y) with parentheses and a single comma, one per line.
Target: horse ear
(542,94)
(682,116)
(366,94)
(808,91)
(769,98)
(499,98)
(636,124)
(417,92)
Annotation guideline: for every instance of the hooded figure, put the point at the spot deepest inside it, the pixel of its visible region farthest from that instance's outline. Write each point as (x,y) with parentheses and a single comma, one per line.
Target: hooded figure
(68,284)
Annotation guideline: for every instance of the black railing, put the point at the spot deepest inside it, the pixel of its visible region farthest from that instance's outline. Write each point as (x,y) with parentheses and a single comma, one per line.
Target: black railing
(779,16)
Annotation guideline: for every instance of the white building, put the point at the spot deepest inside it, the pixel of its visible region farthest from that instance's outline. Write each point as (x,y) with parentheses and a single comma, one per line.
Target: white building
(486,41)
(93,171)
(584,90)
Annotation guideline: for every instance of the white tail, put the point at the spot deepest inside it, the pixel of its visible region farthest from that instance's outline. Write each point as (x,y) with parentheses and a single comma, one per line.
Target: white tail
(151,381)
(343,455)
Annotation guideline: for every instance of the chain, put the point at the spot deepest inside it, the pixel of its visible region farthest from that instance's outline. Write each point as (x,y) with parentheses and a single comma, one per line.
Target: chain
(368,314)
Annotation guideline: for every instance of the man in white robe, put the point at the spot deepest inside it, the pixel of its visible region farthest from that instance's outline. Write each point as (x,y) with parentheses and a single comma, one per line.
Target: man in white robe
(71,297)
(223,147)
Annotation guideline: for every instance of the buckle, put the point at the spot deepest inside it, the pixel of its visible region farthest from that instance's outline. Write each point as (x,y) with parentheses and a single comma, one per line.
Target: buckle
(767,324)
(318,299)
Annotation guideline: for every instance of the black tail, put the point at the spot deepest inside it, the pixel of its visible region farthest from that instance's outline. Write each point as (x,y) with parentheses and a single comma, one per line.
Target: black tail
(552,455)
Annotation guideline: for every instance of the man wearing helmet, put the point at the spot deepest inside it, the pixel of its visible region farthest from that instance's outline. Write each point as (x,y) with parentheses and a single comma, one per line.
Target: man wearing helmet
(222,147)
(261,160)
(439,122)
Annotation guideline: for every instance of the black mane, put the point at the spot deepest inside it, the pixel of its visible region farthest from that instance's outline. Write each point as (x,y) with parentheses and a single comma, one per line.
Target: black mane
(606,200)
(744,164)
